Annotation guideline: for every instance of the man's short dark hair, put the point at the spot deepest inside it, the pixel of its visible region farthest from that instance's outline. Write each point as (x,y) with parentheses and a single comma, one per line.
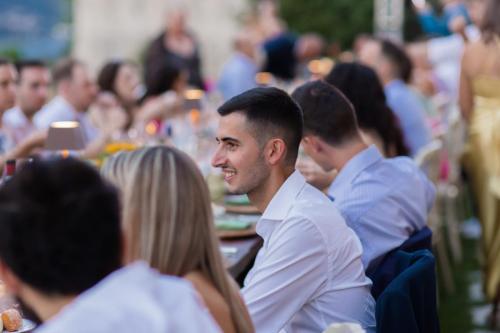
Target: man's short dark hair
(398,57)
(271,112)
(59,226)
(4,61)
(327,112)
(63,69)
(22,64)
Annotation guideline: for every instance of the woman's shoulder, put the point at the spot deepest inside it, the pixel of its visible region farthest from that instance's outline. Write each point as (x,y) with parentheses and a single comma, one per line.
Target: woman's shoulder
(214,301)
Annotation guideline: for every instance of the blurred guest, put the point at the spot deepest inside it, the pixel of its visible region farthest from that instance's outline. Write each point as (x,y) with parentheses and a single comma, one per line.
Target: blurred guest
(61,255)
(76,91)
(454,13)
(32,94)
(443,54)
(394,68)
(309,273)
(8,148)
(285,53)
(8,76)
(377,122)
(480,107)
(178,47)
(165,89)
(238,74)
(383,200)
(121,79)
(168,222)
(123,100)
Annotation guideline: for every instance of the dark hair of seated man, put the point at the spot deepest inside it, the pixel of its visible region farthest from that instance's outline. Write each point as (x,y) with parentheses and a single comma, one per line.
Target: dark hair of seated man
(270,112)
(59,230)
(327,113)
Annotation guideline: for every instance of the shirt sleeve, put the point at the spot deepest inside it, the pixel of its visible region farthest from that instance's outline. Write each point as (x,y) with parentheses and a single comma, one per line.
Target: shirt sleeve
(292,269)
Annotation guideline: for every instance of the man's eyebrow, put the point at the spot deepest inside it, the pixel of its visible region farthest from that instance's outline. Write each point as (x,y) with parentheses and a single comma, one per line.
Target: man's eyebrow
(229,139)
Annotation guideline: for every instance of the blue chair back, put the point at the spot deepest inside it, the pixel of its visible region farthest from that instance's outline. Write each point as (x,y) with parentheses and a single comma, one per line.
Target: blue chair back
(408,304)
(386,271)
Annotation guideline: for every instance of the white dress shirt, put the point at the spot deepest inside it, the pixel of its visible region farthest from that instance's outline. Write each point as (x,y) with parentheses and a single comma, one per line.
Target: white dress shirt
(20,126)
(134,299)
(58,109)
(308,273)
(383,200)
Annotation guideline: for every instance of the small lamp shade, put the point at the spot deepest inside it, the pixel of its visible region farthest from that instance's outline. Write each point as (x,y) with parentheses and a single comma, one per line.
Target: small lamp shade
(192,99)
(65,135)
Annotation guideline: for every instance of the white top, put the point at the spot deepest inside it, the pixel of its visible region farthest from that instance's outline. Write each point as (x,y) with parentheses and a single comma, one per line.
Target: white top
(308,273)
(134,299)
(384,200)
(445,54)
(20,126)
(58,109)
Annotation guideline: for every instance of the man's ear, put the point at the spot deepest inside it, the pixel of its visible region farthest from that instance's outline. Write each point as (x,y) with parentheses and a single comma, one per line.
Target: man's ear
(275,151)
(11,281)
(313,143)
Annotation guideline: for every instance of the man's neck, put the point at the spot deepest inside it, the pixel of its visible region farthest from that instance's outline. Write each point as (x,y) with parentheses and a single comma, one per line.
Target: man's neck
(44,306)
(342,155)
(70,101)
(261,196)
(29,115)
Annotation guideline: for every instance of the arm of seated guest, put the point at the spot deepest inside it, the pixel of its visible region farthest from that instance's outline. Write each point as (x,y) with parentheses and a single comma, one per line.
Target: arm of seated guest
(26,147)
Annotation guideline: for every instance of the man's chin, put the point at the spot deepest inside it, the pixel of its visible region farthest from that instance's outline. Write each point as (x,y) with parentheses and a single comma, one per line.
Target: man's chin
(232,189)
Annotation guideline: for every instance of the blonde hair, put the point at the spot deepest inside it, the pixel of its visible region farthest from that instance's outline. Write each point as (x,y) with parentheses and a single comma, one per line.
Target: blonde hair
(168,221)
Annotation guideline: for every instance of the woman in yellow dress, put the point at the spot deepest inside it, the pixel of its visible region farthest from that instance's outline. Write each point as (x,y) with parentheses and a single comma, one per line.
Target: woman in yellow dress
(480,107)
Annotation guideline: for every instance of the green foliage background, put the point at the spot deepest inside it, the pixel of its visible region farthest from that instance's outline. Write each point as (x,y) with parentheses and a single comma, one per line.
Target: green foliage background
(336,20)
(339,20)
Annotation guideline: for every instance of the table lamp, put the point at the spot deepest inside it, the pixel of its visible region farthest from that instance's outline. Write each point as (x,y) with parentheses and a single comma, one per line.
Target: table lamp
(64,136)
(192,99)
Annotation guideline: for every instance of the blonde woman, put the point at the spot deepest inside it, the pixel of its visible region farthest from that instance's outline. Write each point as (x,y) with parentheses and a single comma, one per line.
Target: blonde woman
(168,222)
(480,107)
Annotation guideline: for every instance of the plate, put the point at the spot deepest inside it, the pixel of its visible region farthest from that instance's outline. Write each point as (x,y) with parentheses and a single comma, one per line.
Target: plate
(27,326)
(230,234)
(236,200)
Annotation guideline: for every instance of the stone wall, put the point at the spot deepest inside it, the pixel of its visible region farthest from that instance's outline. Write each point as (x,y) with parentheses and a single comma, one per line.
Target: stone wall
(106,29)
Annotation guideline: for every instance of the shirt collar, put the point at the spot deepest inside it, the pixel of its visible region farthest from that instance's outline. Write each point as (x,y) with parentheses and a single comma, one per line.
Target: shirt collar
(283,200)
(355,166)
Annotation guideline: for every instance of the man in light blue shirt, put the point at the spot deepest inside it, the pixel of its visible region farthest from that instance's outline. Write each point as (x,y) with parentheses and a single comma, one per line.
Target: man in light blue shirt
(394,68)
(383,200)
(238,74)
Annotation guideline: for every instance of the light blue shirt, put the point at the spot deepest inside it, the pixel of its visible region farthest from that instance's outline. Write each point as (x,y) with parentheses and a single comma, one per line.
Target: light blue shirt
(383,200)
(411,114)
(238,75)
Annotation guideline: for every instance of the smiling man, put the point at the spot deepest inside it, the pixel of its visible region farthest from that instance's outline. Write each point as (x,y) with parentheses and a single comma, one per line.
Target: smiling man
(308,273)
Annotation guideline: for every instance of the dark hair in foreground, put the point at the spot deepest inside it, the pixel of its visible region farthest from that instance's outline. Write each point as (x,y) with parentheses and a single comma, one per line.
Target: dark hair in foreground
(364,90)
(399,59)
(60,226)
(270,112)
(327,112)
